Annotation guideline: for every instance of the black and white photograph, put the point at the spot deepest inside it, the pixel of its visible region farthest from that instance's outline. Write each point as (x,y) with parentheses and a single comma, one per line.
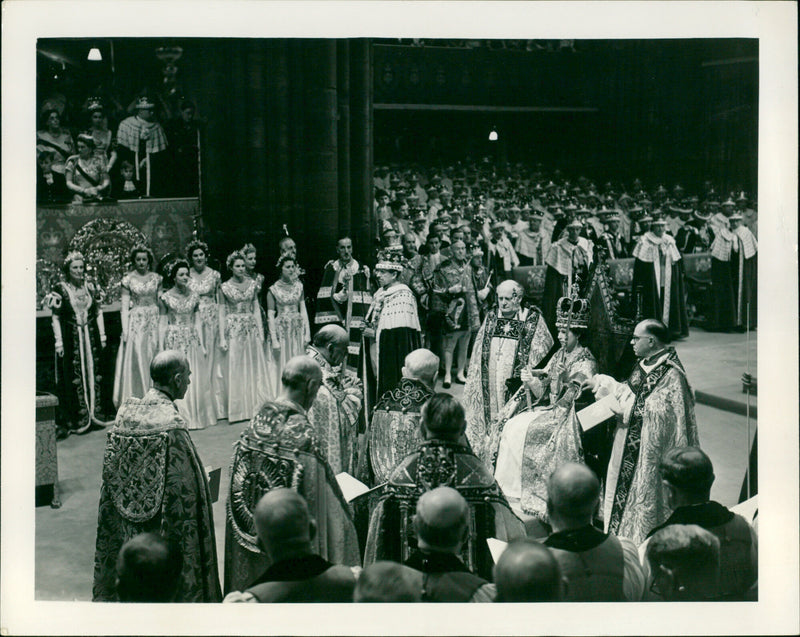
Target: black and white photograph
(414,302)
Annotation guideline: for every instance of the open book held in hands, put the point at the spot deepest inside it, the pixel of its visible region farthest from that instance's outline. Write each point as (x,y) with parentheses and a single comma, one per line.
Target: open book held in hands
(597,412)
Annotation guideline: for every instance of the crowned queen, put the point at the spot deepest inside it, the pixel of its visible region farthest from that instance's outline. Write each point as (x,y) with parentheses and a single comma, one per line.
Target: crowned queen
(537,429)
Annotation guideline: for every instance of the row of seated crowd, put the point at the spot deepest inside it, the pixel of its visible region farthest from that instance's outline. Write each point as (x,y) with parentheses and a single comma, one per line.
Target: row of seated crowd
(359,398)
(521,216)
(83,157)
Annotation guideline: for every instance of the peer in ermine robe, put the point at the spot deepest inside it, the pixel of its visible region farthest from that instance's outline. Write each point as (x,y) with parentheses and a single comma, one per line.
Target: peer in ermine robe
(659,281)
(747,274)
(394,321)
(724,268)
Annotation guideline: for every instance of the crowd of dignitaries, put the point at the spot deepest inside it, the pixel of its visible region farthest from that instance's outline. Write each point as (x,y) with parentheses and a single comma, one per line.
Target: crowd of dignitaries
(445,247)
(104,152)
(520,215)
(291,535)
(360,399)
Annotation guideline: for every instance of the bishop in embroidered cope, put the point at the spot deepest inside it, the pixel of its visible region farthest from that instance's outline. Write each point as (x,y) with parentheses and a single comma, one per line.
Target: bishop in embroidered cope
(281,448)
(441,460)
(154,481)
(511,338)
(655,408)
(336,409)
(394,431)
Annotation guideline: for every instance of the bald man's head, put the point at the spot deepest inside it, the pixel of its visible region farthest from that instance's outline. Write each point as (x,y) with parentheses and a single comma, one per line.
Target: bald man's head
(573,493)
(170,373)
(283,522)
(332,341)
(528,572)
(384,582)
(441,521)
(301,379)
(422,364)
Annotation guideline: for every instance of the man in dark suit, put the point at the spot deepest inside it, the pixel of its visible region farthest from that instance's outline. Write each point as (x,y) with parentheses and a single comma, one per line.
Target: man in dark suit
(597,566)
(441,525)
(688,474)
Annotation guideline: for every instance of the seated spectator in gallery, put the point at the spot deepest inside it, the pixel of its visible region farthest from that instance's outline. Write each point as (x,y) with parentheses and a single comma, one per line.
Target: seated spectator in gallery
(684,561)
(688,474)
(527,572)
(148,569)
(285,530)
(388,582)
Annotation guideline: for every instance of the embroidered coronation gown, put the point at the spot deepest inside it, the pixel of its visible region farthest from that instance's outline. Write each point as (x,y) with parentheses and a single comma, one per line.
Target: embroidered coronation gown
(244,365)
(206,286)
(77,377)
(181,334)
(259,279)
(289,325)
(132,375)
